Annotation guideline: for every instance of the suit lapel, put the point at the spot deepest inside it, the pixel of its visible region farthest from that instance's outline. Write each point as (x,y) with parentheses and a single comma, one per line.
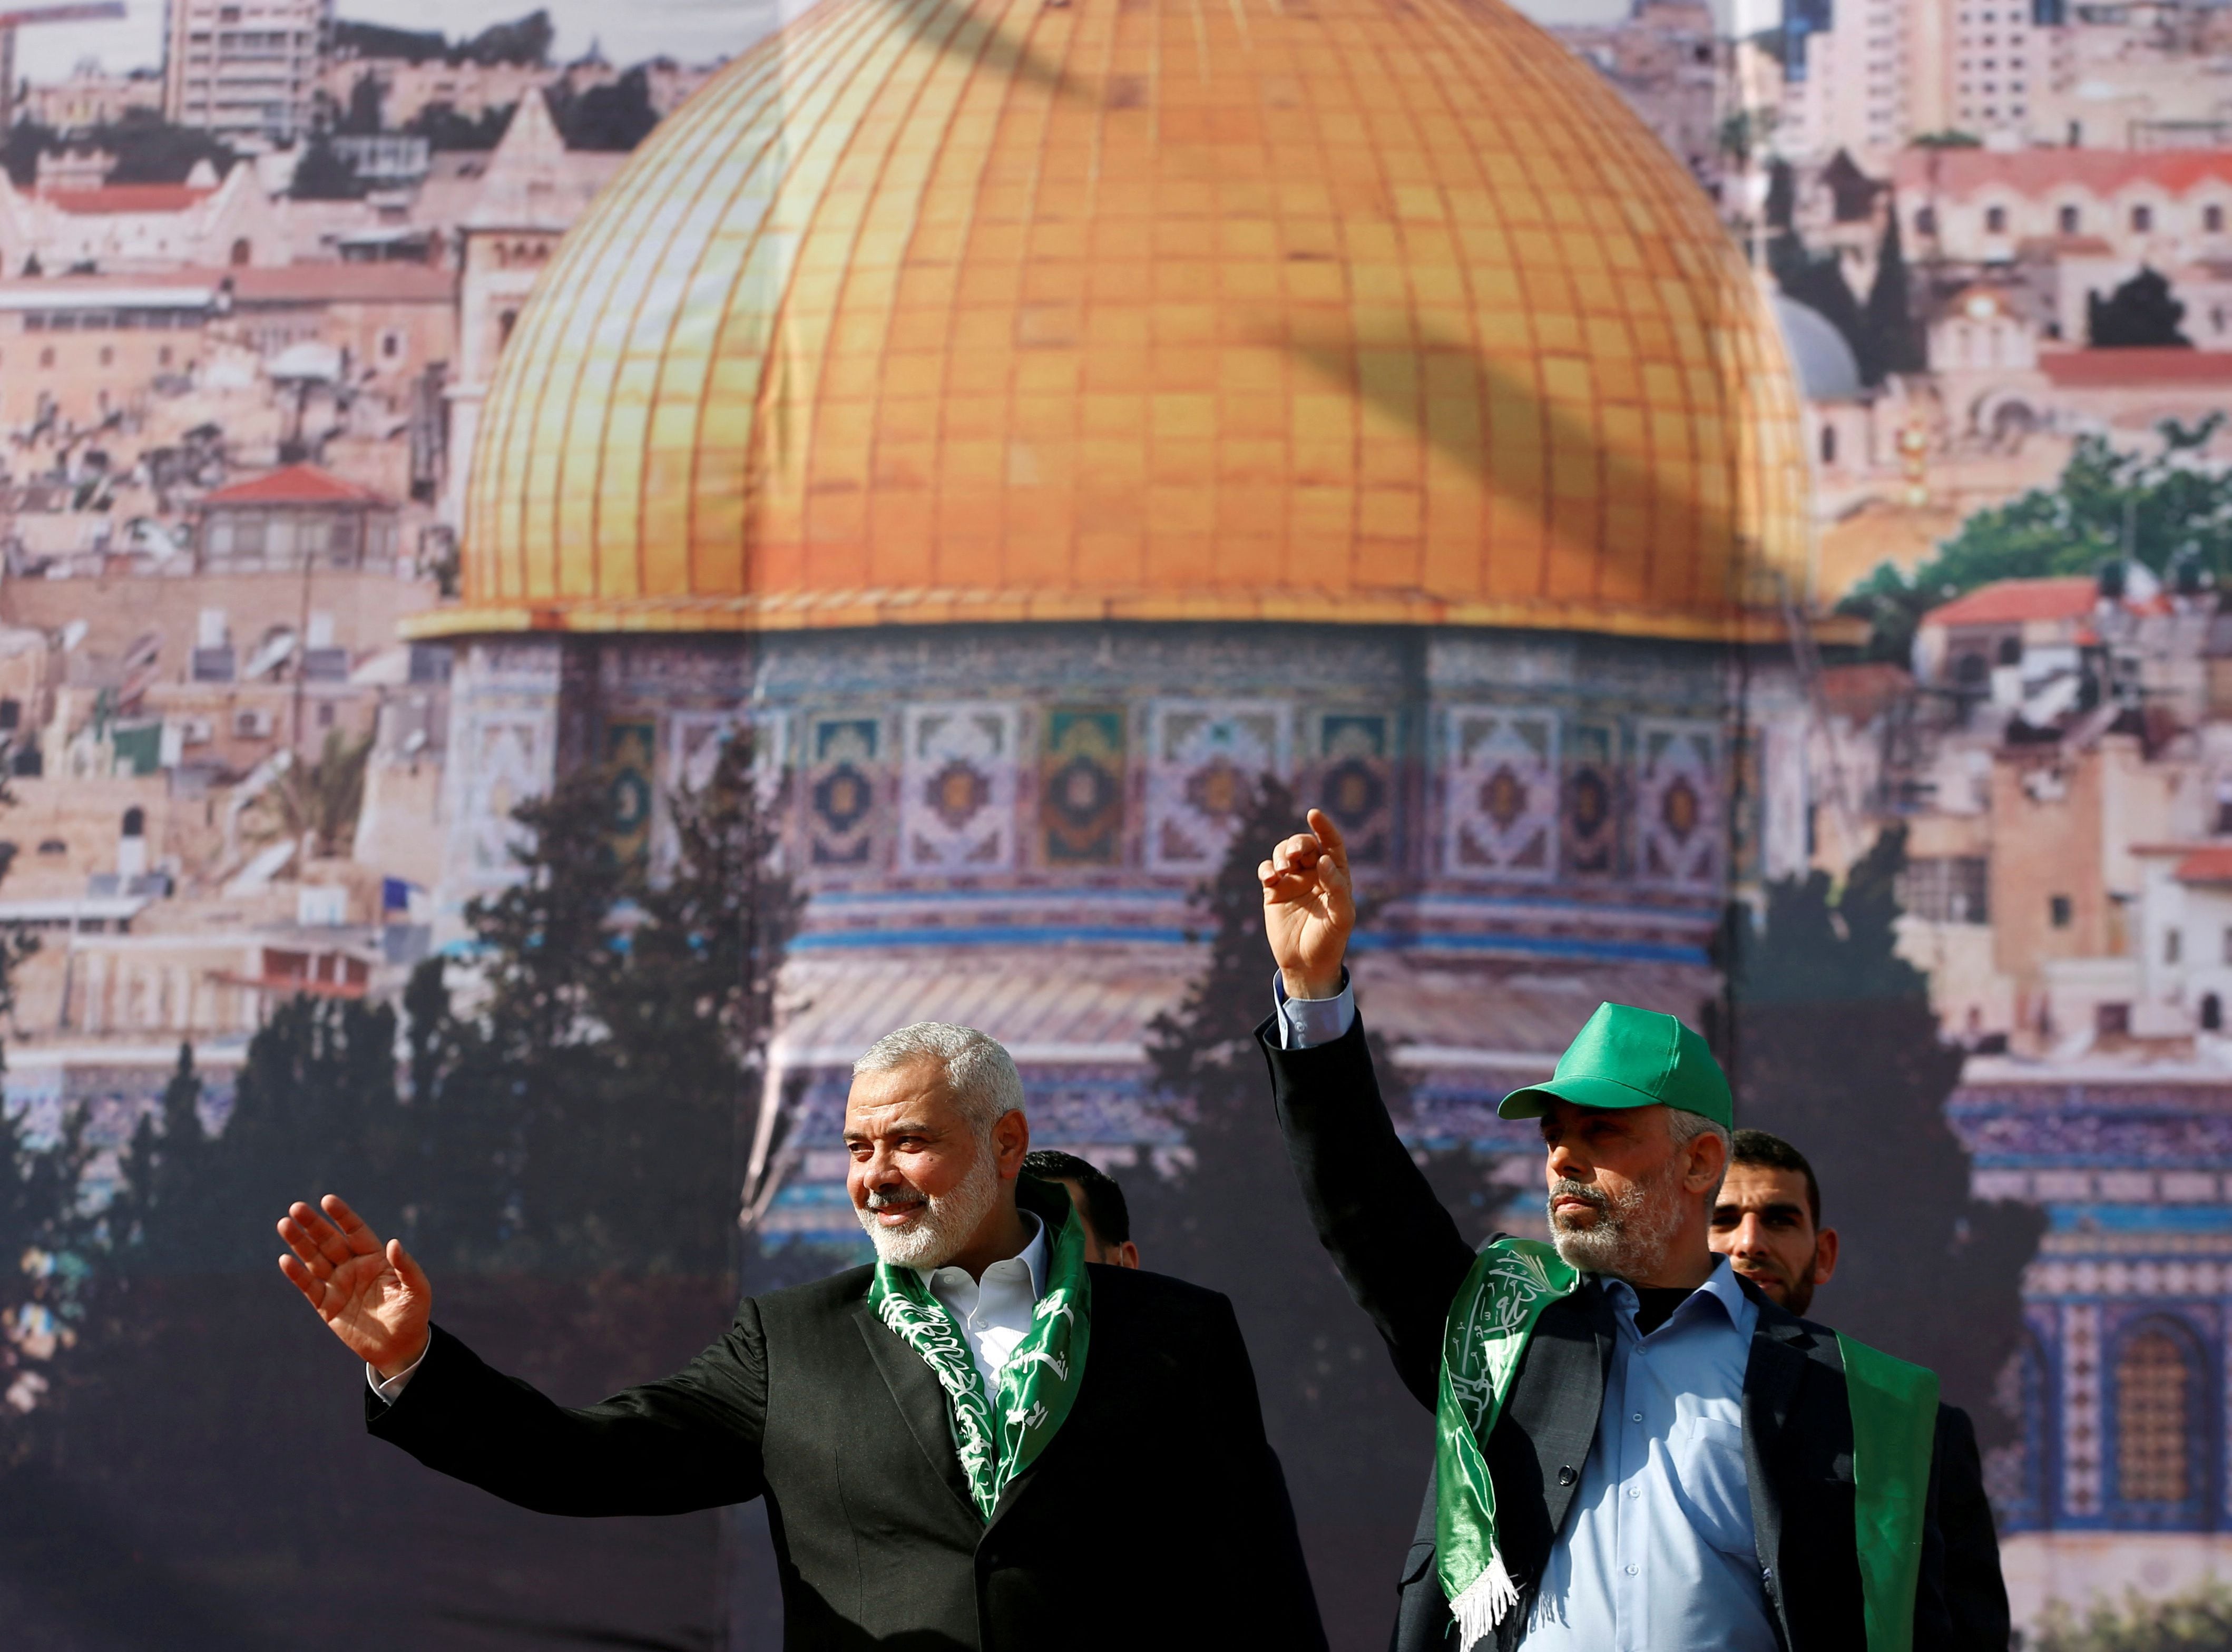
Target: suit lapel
(921,1401)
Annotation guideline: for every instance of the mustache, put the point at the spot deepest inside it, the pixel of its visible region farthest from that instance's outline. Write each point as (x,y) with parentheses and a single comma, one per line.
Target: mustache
(1595,1198)
(897,1199)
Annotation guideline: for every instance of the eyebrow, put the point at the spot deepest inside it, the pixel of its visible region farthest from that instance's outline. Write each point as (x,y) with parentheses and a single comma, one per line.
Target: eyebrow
(903,1127)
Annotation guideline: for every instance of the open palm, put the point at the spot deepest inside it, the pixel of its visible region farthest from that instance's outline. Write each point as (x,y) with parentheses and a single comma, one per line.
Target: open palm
(1309,908)
(374,1297)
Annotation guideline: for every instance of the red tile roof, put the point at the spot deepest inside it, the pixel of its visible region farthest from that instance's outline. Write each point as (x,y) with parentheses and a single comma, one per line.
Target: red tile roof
(2011,601)
(295,484)
(2039,171)
(127,198)
(2099,369)
(2206,865)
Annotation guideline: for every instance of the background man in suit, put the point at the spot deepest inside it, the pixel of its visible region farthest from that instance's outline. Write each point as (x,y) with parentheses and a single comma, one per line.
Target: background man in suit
(1768,1222)
(931,1433)
(1099,1202)
(1634,1448)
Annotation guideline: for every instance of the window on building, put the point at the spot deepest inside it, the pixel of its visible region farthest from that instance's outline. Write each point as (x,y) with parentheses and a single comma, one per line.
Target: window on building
(391,345)
(2227,945)
(2154,1414)
(2111,1020)
(1946,888)
(2059,910)
(11,715)
(2173,946)
(1828,444)
(2212,1012)
(135,822)
(1925,220)
(107,356)
(1995,220)
(2212,219)
(47,356)
(2142,219)
(2010,651)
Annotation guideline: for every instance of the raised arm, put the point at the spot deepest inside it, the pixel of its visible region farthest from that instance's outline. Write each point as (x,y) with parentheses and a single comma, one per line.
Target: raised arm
(689,1442)
(1396,1246)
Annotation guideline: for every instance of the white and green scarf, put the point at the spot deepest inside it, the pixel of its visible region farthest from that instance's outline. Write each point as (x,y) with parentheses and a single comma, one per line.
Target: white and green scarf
(1893,1405)
(1491,1319)
(997,1438)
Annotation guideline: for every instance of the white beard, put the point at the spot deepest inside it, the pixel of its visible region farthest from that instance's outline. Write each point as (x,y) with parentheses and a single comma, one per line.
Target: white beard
(943,1223)
(1629,1239)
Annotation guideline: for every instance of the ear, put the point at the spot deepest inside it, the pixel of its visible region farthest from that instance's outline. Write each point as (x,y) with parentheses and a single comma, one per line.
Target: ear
(1127,1255)
(1011,1140)
(1709,1158)
(1825,1255)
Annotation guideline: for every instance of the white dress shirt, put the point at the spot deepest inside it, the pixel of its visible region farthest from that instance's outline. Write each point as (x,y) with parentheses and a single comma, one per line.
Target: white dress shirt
(995,1315)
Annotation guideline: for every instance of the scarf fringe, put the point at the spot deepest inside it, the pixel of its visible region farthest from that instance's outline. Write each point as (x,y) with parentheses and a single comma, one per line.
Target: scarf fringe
(1483,1603)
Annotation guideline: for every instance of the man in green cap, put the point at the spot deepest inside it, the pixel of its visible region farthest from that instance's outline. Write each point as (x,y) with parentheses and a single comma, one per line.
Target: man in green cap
(1635,1450)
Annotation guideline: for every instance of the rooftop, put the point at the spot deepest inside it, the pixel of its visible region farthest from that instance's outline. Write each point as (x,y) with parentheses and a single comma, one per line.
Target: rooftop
(2212,865)
(2094,369)
(2044,171)
(2011,601)
(127,198)
(295,484)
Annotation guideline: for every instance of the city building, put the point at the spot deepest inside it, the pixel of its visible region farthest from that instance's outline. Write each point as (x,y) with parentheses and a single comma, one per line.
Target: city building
(1666,60)
(89,96)
(248,70)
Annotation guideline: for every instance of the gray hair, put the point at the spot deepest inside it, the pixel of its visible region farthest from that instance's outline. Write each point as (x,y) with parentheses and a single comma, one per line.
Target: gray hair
(1685,1126)
(980,1075)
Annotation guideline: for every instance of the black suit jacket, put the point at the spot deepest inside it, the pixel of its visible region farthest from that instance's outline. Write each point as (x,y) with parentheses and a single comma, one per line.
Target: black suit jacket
(1404,1259)
(1976,1593)
(1157,1515)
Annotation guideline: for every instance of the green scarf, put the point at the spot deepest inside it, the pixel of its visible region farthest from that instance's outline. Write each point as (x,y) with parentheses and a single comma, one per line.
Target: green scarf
(997,1439)
(1490,1320)
(1894,1408)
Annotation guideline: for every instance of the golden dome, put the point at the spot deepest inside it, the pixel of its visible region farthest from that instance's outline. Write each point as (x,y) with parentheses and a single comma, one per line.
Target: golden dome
(1292,310)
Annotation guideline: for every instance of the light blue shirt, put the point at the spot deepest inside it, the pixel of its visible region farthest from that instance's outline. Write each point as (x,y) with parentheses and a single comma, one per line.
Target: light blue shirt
(1657,1553)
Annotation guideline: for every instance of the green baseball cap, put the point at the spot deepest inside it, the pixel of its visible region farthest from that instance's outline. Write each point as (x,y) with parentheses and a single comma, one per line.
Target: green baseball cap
(1630,1058)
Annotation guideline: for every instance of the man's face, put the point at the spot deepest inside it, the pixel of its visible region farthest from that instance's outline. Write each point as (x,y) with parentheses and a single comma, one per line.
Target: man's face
(922,1180)
(1126,1255)
(1618,1187)
(1763,1223)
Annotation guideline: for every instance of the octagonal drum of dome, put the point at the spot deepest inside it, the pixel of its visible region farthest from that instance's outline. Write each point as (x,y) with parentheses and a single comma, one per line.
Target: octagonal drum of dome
(1339,310)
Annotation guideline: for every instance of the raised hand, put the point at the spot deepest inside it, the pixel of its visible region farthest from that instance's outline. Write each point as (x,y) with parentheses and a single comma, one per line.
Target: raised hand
(377,1300)
(1309,908)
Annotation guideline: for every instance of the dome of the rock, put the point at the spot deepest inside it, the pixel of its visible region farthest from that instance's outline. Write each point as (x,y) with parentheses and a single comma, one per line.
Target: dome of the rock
(1337,310)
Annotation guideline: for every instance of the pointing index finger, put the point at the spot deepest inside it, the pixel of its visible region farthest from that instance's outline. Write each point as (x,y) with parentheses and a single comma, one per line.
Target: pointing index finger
(1328,835)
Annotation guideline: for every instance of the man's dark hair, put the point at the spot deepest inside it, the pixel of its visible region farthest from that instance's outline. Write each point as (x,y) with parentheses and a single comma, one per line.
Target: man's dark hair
(1105,1212)
(1757,1146)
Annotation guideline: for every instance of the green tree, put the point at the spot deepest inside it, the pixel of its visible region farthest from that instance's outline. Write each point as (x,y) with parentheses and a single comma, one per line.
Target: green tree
(1894,343)
(2159,507)
(316,803)
(1834,1046)
(2198,1621)
(364,116)
(1351,1438)
(164,1211)
(322,175)
(2141,314)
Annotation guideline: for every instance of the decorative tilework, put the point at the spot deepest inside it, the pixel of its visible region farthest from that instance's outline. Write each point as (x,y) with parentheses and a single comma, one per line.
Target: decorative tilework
(1677,806)
(841,791)
(631,760)
(1355,781)
(1081,786)
(1503,795)
(1205,759)
(507,761)
(1588,820)
(2081,1419)
(957,788)
(694,740)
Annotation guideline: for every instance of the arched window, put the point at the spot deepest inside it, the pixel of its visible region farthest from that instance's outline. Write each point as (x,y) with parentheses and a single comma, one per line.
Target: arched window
(2010,651)
(2161,1452)
(135,822)
(1995,220)
(242,251)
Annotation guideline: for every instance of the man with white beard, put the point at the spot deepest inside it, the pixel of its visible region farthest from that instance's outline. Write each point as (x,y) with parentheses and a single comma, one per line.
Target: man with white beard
(1635,1450)
(932,1432)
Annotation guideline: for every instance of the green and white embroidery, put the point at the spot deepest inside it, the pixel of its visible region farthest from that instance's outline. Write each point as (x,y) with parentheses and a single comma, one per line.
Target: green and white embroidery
(996,1439)
(1491,1319)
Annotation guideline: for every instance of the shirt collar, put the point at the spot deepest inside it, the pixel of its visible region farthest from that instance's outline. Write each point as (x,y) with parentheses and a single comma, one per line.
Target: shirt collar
(1720,1285)
(1033,1255)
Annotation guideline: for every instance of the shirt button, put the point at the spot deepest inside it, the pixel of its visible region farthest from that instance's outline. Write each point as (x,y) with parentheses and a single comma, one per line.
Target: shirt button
(1635,1491)
(1638,1417)
(1631,1571)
